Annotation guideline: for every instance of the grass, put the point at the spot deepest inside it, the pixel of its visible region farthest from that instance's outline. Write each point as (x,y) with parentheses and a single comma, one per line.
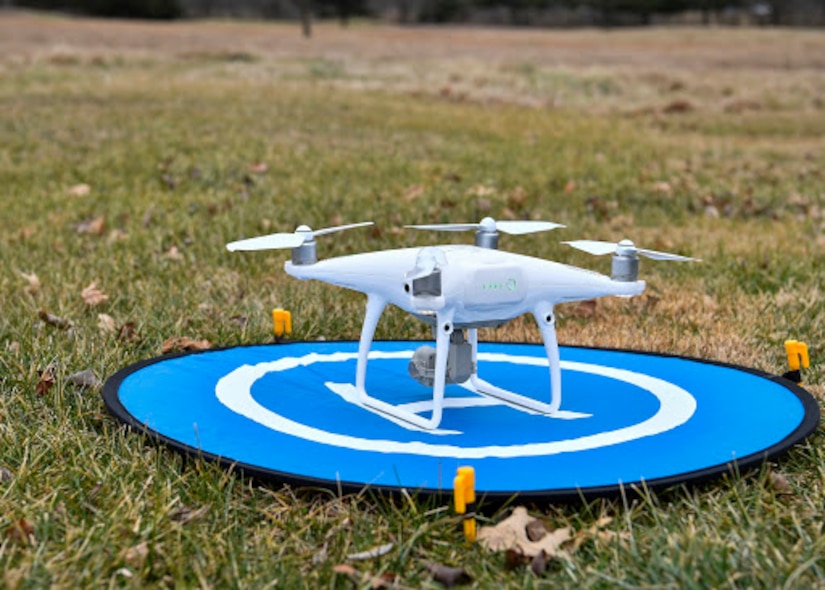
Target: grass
(700,146)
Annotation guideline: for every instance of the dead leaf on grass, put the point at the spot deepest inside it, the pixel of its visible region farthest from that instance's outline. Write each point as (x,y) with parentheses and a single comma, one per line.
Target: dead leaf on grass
(184,514)
(84,379)
(6,476)
(184,344)
(598,533)
(21,532)
(258,167)
(570,186)
(46,382)
(33,286)
(511,533)
(127,332)
(80,190)
(93,296)
(106,323)
(373,553)
(53,320)
(94,226)
(538,564)
(385,580)
(173,254)
(413,192)
(136,556)
(779,484)
(447,575)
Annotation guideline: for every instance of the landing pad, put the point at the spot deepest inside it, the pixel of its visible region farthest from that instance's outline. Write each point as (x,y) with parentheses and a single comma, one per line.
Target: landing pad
(287,413)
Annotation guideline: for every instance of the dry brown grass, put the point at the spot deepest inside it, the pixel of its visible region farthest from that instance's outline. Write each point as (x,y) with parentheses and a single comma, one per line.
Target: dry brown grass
(637,70)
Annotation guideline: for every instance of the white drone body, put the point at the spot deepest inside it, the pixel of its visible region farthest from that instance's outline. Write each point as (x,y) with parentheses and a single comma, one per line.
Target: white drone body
(456,288)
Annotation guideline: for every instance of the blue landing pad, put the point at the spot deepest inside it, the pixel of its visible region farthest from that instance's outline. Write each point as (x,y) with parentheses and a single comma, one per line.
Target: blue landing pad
(287,412)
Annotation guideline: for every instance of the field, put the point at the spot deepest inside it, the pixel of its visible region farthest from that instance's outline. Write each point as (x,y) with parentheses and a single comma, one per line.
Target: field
(130,153)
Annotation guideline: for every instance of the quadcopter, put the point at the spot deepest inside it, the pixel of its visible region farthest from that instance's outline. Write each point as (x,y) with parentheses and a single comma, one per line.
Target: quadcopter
(458,289)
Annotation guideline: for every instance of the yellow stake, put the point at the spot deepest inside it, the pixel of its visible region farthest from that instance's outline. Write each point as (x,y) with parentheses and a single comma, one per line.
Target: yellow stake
(797,356)
(464,493)
(281,322)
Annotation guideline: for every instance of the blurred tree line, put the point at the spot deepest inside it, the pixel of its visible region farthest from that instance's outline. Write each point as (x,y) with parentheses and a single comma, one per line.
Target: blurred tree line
(510,12)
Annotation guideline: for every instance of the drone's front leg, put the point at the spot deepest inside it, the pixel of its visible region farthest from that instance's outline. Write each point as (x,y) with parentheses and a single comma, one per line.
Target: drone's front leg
(375,307)
(444,328)
(546,320)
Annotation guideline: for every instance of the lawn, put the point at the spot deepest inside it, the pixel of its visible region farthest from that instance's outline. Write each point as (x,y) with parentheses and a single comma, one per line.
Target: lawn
(130,153)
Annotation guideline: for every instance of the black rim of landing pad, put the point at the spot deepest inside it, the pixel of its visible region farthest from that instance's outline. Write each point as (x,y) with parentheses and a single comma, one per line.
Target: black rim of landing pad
(810,414)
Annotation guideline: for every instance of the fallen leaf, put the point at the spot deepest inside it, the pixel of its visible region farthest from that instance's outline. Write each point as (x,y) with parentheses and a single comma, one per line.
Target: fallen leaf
(116,235)
(511,533)
(413,192)
(320,556)
(513,559)
(33,286)
(385,580)
(662,187)
(127,332)
(536,530)
(173,254)
(93,296)
(371,553)
(53,320)
(85,379)
(517,198)
(449,576)
(106,323)
(598,533)
(570,186)
(678,106)
(538,564)
(258,167)
(94,226)
(6,476)
(80,190)
(46,381)
(182,343)
(779,484)
(183,514)
(136,556)
(20,531)
(480,190)
(239,320)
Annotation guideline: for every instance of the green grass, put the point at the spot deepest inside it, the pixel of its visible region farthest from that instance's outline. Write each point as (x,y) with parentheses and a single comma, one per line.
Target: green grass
(166,147)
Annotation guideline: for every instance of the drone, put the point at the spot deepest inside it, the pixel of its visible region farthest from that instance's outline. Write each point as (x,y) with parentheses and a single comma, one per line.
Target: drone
(458,289)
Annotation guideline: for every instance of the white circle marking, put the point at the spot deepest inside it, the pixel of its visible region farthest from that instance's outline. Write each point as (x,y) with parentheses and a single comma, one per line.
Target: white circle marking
(234,390)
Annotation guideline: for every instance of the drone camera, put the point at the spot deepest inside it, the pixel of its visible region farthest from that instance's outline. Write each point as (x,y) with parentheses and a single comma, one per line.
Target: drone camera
(459,362)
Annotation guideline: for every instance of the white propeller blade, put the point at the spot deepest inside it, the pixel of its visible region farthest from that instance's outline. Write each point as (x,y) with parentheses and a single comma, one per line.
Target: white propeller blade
(489,224)
(517,228)
(288,241)
(270,242)
(329,230)
(446,226)
(600,248)
(595,247)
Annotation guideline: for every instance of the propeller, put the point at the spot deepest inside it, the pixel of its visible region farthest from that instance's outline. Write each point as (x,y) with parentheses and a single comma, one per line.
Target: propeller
(426,262)
(490,225)
(625,248)
(300,236)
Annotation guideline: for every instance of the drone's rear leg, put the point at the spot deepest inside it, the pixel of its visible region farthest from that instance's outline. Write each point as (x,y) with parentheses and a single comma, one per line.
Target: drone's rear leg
(546,322)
